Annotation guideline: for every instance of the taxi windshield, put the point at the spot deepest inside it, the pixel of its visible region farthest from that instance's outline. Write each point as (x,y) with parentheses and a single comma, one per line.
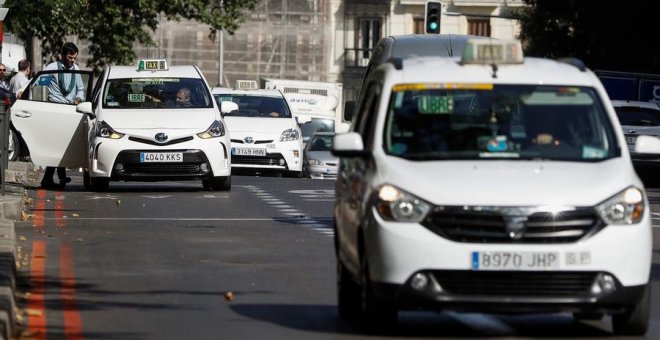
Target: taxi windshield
(156,93)
(256,106)
(498,122)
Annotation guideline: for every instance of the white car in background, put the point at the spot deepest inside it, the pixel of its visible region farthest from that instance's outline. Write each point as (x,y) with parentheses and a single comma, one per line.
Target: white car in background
(135,125)
(265,136)
(637,118)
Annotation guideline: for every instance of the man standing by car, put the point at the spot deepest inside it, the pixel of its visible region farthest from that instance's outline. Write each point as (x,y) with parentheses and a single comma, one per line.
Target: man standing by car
(19,80)
(66,88)
(3,81)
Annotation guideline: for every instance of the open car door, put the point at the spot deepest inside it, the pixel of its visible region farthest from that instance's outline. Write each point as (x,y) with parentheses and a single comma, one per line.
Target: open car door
(54,132)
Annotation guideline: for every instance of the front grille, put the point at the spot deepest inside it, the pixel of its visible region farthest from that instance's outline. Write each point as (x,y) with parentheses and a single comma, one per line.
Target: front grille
(240,141)
(161,169)
(269,159)
(494,225)
(151,142)
(515,283)
(331,164)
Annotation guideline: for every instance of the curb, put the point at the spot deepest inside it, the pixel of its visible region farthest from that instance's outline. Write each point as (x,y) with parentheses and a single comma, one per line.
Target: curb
(18,176)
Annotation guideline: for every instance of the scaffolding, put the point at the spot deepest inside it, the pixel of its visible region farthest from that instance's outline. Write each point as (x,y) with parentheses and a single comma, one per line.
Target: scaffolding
(287,39)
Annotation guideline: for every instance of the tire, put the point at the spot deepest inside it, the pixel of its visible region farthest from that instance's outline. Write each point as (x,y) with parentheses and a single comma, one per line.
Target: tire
(294,174)
(14,146)
(221,183)
(99,184)
(377,316)
(348,294)
(634,321)
(86,180)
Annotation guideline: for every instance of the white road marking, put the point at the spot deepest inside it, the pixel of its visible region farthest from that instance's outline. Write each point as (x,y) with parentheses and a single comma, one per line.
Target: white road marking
(156,196)
(100,197)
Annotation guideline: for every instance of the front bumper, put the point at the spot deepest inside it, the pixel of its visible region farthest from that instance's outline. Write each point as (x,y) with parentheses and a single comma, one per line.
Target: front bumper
(280,156)
(120,160)
(398,252)
(321,171)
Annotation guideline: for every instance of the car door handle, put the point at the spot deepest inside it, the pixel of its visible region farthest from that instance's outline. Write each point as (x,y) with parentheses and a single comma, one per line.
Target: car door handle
(23,114)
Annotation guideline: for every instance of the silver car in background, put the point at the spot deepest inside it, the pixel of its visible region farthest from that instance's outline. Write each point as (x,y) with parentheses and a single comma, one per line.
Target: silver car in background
(637,118)
(318,161)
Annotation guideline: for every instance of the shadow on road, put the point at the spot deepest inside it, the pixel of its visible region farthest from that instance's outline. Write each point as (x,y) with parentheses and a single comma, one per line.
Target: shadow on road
(324,319)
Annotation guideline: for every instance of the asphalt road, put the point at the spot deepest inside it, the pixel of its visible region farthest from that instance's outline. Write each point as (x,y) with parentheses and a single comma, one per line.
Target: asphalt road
(170,261)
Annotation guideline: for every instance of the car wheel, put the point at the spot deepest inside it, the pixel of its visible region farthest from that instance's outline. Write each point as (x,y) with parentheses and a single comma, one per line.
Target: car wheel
(86,180)
(634,321)
(221,183)
(294,174)
(99,184)
(348,294)
(14,146)
(377,316)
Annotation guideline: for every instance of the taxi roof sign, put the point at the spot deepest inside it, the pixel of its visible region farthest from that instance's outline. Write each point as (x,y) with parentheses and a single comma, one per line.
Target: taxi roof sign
(246,85)
(492,52)
(152,65)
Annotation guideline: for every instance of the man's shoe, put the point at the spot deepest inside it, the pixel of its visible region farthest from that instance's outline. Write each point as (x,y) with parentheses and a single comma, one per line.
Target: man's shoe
(64,181)
(48,185)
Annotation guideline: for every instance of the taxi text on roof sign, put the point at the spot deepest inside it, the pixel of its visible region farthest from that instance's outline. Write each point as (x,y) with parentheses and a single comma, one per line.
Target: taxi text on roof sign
(152,65)
(246,85)
(489,52)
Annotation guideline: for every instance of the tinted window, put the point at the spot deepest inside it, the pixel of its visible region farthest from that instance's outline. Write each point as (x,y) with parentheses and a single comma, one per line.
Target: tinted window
(320,143)
(496,122)
(149,93)
(638,116)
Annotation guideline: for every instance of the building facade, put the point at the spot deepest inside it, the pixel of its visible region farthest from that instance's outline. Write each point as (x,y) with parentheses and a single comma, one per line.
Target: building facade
(317,40)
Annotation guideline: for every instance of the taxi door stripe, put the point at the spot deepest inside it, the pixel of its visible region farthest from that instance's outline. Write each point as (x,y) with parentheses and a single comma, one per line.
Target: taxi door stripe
(72,318)
(36,300)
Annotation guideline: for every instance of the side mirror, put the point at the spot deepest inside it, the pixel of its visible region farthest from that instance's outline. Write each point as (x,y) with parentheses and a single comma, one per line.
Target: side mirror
(647,147)
(349,110)
(348,145)
(86,108)
(227,107)
(303,119)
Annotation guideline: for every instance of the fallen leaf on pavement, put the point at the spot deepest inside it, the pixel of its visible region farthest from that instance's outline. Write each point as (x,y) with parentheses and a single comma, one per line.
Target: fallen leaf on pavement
(229,296)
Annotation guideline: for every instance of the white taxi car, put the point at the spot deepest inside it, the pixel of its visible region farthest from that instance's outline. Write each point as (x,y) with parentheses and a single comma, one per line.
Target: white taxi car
(147,122)
(499,183)
(264,133)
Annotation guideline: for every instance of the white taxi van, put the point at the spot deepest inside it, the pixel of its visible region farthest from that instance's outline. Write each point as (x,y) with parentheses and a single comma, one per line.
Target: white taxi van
(499,184)
(265,136)
(148,122)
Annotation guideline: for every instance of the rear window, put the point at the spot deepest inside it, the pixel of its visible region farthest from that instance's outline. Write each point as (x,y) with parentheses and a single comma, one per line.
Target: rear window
(638,116)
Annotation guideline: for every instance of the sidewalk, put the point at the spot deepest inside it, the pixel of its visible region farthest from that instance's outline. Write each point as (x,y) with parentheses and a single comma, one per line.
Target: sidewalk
(18,177)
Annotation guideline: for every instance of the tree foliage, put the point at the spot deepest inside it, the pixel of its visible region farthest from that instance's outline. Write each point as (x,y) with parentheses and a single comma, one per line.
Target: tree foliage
(610,35)
(114,26)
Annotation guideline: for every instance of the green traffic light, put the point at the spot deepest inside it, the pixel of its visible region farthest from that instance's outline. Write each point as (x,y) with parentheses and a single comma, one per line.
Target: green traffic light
(433,26)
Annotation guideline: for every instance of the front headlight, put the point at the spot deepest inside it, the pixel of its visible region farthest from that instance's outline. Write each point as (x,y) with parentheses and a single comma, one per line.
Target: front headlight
(626,207)
(217,129)
(314,162)
(104,130)
(397,205)
(289,135)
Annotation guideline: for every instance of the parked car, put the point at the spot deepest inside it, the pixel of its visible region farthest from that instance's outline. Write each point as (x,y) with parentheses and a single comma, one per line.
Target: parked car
(318,159)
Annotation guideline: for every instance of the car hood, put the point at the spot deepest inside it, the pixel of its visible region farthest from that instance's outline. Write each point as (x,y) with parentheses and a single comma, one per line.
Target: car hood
(197,119)
(510,183)
(267,126)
